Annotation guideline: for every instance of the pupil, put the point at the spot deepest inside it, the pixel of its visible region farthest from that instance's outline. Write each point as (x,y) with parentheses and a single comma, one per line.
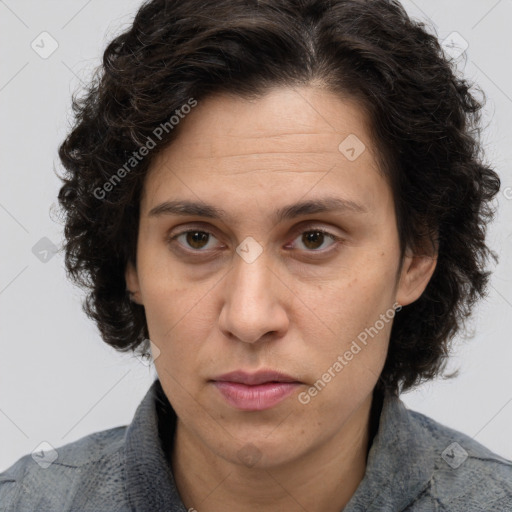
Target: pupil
(194,239)
(313,236)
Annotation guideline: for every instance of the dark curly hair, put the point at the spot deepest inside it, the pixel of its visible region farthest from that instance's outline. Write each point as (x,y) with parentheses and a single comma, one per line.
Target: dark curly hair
(424,123)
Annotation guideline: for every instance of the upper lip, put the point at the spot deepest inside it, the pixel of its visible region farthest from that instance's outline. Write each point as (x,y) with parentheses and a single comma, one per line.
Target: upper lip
(252,379)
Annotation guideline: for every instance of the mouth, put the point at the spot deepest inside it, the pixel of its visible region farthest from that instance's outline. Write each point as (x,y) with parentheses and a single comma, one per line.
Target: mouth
(257,391)
(252,379)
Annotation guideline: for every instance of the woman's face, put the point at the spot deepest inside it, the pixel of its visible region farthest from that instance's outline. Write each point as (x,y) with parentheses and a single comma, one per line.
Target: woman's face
(259,282)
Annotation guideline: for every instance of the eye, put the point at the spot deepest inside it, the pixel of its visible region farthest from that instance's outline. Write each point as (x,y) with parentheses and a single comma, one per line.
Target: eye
(314,239)
(195,239)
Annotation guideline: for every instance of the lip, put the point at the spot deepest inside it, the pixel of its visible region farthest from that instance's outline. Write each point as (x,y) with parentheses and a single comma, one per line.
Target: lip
(257,391)
(252,379)
(257,397)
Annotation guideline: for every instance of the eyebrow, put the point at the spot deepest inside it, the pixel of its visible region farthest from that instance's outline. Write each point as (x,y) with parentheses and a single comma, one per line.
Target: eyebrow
(201,209)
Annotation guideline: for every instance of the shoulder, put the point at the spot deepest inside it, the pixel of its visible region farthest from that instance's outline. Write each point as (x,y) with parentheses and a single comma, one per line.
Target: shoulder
(70,477)
(467,475)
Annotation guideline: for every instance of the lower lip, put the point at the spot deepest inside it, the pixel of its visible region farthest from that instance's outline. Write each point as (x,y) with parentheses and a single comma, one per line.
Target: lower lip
(255,398)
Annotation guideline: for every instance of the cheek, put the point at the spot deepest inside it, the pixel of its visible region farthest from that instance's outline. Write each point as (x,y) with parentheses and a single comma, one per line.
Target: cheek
(365,283)
(349,309)
(171,310)
(179,318)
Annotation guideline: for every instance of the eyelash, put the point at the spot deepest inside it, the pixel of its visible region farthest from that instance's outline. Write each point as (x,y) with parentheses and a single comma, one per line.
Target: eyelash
(324,232)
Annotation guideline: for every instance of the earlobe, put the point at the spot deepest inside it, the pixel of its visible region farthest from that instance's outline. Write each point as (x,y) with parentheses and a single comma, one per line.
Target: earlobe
(416,273)
(132,283)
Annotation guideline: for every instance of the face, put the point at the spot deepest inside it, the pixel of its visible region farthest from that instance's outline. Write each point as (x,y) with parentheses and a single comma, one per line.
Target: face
(296,259)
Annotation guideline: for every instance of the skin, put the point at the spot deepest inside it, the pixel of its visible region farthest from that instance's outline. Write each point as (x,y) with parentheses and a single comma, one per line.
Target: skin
(295,308)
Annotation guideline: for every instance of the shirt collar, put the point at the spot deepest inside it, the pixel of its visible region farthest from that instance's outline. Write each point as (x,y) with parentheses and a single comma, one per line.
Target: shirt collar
(150,484)
(399,466)
(400,462)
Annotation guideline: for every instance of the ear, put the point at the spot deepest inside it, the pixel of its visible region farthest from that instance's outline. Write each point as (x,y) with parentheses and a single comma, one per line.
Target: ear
(417,269)
(132,283)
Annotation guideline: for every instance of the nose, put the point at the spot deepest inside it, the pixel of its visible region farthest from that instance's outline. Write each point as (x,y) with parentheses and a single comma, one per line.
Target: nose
(253,306)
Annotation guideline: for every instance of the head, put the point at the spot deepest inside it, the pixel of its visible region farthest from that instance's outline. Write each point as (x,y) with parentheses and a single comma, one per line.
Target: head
(246,110)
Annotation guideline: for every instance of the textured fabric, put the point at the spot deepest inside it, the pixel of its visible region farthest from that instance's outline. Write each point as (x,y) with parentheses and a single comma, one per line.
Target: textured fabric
(413,465)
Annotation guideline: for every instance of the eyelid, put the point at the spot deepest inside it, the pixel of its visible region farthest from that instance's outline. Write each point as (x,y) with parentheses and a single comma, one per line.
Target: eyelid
(336,239)
(188,228)
(171,238)
(303,227)
(306,227)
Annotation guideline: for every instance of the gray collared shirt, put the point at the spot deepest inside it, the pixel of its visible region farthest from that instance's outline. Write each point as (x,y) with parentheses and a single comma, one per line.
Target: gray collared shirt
(414,464)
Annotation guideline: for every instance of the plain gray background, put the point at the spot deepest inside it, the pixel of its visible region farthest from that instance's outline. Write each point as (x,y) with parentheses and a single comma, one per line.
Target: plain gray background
(58,380)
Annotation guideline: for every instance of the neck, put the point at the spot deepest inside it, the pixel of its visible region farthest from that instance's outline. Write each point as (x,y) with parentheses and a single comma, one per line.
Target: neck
(322,479)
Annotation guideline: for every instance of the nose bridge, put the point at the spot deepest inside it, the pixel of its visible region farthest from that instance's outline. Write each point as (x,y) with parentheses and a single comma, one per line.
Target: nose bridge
(250,277)
(251,308)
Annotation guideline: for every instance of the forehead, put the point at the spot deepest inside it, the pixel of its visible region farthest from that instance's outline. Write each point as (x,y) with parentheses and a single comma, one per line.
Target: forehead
(291,115)
(287,140)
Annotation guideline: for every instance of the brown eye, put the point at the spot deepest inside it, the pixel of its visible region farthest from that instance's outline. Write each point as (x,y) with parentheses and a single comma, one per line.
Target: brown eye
(313,240)
(196,239)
